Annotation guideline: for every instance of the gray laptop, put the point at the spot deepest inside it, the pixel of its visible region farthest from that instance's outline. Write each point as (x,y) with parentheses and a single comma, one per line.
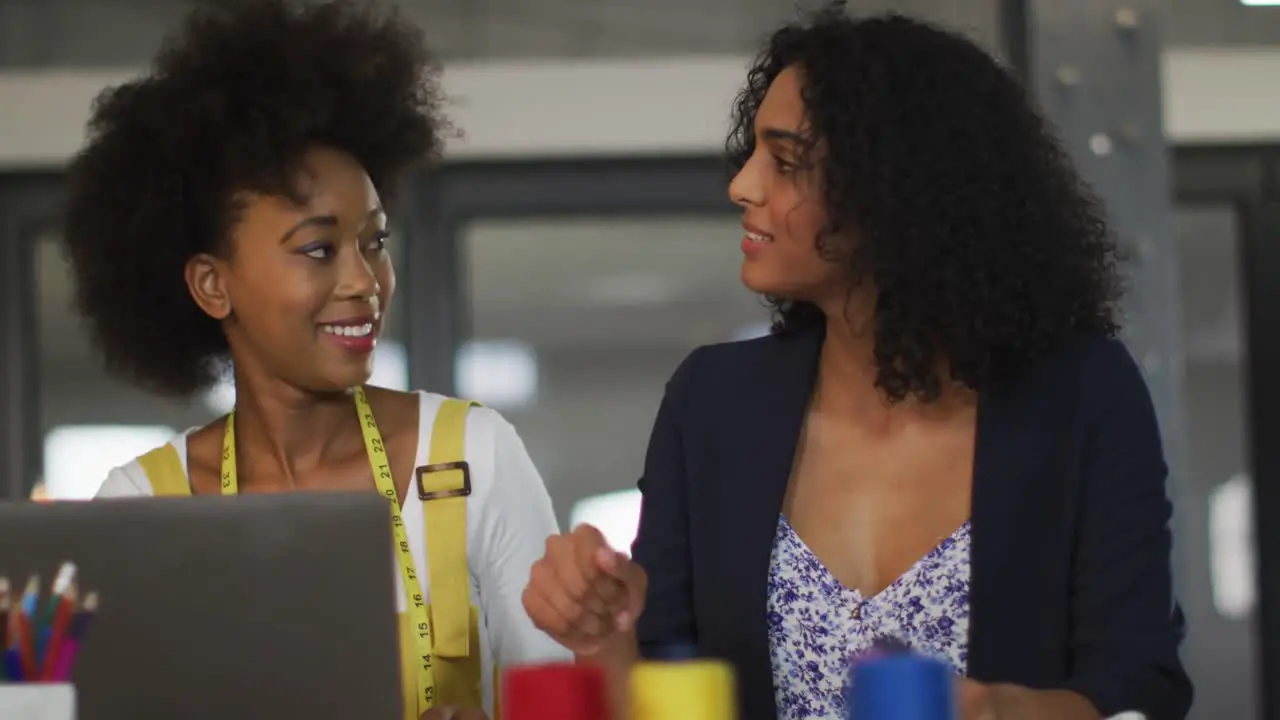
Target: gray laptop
(257,606)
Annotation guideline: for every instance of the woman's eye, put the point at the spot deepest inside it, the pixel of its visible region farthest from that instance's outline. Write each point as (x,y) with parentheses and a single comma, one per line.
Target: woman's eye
(318,251)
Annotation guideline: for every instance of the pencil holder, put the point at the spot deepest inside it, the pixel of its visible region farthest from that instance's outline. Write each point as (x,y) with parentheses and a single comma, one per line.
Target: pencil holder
(38,701)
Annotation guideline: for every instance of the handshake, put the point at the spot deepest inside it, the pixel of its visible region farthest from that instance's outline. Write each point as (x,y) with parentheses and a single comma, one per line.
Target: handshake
(584,593)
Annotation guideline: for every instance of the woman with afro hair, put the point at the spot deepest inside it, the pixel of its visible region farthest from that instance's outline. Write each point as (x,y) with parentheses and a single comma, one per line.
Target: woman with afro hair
(229,214)
(941,445)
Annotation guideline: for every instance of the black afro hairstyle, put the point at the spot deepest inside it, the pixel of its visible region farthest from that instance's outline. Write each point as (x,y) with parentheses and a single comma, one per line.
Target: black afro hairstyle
(234,100)
(985,249)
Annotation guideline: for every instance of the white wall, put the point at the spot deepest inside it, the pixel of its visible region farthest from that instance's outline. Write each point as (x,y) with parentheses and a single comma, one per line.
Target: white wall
(666,106)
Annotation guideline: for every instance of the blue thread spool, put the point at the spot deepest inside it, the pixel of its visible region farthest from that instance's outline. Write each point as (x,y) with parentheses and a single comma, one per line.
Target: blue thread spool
(901,687)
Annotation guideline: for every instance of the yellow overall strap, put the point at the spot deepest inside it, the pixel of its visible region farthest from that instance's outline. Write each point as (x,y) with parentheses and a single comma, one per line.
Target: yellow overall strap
(164,471)
(443,486)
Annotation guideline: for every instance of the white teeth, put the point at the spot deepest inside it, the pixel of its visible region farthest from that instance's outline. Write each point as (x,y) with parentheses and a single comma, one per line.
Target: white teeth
(348,330)
(757,237)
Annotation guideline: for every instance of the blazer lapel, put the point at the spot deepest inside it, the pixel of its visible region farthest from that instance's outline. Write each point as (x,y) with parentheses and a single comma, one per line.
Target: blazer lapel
(991,514)
(759,451)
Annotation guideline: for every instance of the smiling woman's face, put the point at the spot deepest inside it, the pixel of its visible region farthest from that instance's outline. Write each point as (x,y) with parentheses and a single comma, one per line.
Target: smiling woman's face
(304,289)
(780,192)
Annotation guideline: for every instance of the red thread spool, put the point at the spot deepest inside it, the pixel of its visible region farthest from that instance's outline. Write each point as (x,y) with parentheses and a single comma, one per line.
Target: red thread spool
(558,691)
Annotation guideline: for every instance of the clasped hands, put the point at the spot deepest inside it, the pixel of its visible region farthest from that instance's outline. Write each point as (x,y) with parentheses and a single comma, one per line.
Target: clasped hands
(582,592)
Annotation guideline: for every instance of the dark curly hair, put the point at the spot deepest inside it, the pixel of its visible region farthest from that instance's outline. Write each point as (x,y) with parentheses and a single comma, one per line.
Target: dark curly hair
(234,100)
(984,247)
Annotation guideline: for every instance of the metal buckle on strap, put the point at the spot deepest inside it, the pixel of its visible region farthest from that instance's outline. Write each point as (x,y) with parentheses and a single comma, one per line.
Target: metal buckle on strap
(463,491)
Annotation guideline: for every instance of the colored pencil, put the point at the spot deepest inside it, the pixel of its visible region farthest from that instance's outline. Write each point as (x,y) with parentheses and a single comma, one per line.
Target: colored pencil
(40,639)
(13,665)
(27,629)
(56,631)
(6,605)
(70,648)
(63,582)
(13,643)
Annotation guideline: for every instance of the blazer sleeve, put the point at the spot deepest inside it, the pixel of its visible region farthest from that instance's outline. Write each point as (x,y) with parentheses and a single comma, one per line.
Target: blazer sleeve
(661,546)
(1127,625)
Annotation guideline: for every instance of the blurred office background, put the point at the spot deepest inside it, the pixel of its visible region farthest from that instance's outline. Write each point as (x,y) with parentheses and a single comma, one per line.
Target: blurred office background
(578,243)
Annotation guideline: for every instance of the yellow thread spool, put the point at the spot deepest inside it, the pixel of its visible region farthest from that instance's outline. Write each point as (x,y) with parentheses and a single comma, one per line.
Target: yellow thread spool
(683,690)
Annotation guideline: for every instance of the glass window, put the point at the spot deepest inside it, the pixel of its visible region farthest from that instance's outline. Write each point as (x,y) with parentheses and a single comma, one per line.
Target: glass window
(1215,542)
(578,323)
(615,514)
(78,457)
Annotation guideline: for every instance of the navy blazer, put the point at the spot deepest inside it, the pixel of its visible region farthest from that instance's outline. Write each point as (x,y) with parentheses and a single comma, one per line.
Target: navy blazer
(1071,584)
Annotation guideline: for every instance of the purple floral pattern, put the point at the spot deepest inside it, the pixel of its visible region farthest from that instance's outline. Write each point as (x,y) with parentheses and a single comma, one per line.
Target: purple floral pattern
(817,626)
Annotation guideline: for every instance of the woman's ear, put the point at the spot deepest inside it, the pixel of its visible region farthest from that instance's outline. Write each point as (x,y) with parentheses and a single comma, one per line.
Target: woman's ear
(206,282)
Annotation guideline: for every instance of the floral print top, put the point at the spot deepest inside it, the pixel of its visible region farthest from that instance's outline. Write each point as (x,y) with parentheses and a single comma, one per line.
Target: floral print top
(817,626)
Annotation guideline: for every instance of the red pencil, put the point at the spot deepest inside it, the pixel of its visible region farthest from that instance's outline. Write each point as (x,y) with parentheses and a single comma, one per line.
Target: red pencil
(62,616)
(26,641)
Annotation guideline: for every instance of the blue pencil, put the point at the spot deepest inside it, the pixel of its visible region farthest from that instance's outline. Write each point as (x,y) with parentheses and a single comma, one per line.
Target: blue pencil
(13,665)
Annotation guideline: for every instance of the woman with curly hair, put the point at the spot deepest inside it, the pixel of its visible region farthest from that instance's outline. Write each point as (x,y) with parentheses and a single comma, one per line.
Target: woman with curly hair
(229,214)
(941,445)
